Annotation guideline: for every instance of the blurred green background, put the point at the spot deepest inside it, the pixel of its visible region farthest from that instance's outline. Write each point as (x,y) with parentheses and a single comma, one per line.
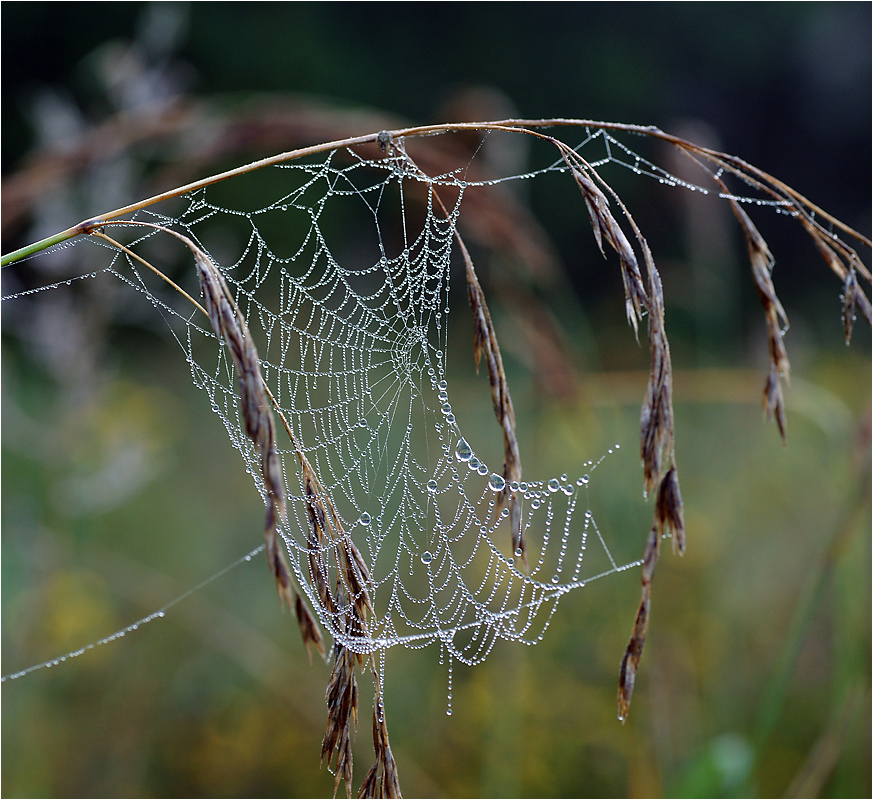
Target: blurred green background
(120,491)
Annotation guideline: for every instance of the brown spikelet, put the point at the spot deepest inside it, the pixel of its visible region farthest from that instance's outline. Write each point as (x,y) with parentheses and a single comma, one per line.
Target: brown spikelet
(382,779)
(631,660)
(850,288)
(669,513)
(862,304)
(341,698)
(854,298)
(317,543)
(342,717)
(656,417)
(325,536)
(606,227)
(485,344)
(309,629)
(229,325)
(777,321)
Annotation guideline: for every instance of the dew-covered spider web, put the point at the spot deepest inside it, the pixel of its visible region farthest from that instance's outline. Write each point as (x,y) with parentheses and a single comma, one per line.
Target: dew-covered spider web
(350,280)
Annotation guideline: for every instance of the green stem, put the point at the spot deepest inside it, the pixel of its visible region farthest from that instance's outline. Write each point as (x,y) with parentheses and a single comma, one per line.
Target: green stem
(38,247)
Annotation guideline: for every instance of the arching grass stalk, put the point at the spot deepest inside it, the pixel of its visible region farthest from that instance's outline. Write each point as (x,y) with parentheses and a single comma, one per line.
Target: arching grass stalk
(722,161)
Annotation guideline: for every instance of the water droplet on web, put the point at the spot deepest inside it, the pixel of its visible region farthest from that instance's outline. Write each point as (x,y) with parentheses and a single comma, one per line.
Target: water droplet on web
(446,408)
(513,486)
(519,552)
(583,480)
(554,485)
(426,557)
(534,503)
(442,386)
(463,451)
(497,482)
(555,579)
(482,469)
(365,519)
(431,485)
(567,490)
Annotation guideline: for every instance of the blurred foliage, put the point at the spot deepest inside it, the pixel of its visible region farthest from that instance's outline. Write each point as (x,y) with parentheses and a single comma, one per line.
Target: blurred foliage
(120,491)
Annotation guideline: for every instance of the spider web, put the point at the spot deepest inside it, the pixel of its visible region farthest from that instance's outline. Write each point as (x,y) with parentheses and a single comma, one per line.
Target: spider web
(357,358)
(355,348)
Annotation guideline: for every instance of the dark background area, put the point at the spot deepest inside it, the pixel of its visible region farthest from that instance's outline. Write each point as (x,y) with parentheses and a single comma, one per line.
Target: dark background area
(756,676)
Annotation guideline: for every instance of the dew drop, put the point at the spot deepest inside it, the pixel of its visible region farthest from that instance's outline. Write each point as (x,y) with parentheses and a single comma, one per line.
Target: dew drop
(365,519)
(513,486)
(426,557)
(482,469)
(442,386)
(583,480)
(555,578)
(554,485)
(463,451)
(446,408)
(534,503)
(431,485)
(497,482)
(519,552)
